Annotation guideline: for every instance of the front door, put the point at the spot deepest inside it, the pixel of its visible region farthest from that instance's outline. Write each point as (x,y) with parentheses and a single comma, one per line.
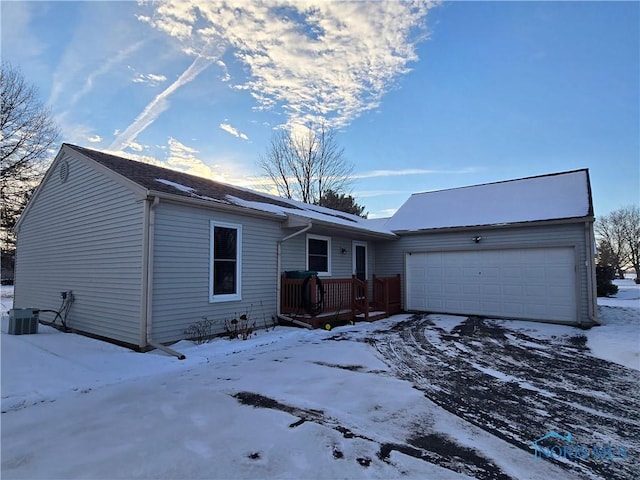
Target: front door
(360,260)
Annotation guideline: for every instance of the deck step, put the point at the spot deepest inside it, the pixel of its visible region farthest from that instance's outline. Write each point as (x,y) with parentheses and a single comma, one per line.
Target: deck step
(376,315)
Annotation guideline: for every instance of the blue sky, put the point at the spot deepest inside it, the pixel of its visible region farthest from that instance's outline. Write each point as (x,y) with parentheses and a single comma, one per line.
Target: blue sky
(423,97)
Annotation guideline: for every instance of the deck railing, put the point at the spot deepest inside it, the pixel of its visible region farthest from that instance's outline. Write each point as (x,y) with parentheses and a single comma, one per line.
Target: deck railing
(341,295)
(386,294)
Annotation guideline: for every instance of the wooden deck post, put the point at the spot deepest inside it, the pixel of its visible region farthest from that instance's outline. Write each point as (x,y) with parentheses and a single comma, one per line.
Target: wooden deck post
(313,285)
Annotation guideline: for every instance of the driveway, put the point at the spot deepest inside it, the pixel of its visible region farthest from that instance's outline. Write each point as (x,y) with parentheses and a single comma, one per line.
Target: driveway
(519,385)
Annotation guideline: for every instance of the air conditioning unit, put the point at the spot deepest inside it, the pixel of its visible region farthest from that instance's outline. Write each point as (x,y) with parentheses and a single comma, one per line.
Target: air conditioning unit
(23,321)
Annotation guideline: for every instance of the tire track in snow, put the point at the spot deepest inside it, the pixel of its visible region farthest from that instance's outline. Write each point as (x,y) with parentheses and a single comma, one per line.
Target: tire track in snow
(518,388)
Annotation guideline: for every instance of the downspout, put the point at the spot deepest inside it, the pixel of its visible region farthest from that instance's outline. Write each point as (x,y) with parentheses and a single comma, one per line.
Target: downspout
(279,278)
(591,274)
(148,301)
(142,341)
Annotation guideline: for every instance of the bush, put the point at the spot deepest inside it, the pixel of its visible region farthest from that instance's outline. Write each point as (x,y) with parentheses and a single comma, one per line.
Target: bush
(604,278)
(200,332)
(240,327)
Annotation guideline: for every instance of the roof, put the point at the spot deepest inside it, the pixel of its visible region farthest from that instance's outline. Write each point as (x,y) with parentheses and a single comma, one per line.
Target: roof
(565,195)
(157,179)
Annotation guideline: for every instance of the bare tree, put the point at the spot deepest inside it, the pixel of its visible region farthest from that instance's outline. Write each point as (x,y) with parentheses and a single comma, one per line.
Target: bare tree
(619,235)
(305,166)
(28,133)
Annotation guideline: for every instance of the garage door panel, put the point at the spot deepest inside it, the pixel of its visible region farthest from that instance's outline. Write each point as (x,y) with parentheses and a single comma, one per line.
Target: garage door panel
(471,289)
(513,290)
(514,309)
(536,275)
(533,283)
(511,272)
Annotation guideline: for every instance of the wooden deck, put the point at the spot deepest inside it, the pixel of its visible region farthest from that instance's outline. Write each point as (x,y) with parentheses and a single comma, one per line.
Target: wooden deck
(321,303)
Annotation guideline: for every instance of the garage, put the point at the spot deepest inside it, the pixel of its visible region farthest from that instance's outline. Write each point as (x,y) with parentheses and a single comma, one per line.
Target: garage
(523,283)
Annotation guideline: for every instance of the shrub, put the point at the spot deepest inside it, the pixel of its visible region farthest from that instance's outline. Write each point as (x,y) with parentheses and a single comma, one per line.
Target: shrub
(604,279)
(200,332)
(240,327)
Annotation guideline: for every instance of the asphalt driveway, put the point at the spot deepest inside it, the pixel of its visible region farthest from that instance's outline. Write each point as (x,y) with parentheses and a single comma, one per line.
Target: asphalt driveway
(520,387)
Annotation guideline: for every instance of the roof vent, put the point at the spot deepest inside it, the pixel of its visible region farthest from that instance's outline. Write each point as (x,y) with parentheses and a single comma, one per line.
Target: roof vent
(64,171)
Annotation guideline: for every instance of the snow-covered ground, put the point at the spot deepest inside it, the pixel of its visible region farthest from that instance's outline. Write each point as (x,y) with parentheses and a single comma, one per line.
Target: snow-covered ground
(288,403)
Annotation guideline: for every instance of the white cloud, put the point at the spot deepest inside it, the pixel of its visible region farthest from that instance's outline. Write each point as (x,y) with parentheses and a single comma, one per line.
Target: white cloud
(317,61)
(88,56)
(180,157)
(104,68)
(411,171)
(159,104)
(18,32)
(149,79)
(233,131)
(379,193)
(94,139)
(183,158)
(136,147)
(384,213)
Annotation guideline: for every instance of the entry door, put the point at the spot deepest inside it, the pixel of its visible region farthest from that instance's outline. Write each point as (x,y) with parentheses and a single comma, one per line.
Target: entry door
(360,260)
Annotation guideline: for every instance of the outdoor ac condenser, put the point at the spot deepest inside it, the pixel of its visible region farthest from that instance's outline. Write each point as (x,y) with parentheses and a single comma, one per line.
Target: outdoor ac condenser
(23,321)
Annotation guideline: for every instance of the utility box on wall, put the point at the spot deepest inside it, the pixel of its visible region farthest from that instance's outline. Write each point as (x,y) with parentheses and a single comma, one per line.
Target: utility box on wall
(23,321)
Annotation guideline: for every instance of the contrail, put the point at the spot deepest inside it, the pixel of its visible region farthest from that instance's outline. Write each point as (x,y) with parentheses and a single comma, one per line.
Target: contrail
(410,171)
(159,104)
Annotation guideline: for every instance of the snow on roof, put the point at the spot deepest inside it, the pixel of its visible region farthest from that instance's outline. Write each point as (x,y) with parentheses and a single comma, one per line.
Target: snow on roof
(313,213)
(178,186)
(548,197)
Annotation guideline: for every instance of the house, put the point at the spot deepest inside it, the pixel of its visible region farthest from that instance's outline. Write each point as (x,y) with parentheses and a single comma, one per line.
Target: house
(147,252)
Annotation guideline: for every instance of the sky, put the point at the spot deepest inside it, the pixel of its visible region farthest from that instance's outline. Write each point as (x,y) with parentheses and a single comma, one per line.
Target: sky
(422,96)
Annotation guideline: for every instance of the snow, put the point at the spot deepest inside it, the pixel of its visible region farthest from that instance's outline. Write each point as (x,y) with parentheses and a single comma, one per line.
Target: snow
(177,186)
(618,339)
(75,407)
(312,212)
(546,197)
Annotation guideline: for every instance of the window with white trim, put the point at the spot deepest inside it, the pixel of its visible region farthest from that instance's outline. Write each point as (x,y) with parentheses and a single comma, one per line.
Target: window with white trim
(319,254)
(226,262)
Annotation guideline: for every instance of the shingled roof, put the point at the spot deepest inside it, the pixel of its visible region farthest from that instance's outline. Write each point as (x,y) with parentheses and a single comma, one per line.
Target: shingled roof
(158,179)
(165,180)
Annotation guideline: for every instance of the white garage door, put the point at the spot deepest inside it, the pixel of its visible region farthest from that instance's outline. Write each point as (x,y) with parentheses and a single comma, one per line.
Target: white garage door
(530,283)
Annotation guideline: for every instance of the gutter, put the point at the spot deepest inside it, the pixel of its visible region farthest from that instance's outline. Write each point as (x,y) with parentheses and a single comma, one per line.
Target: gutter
(218,205)
(278,274)
(563,221)
(146,327)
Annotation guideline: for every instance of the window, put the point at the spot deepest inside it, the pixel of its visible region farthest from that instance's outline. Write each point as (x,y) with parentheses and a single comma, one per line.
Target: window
(226,262)
(319,254)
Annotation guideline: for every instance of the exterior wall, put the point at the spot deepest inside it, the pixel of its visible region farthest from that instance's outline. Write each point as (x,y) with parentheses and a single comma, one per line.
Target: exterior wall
(84,235)
(390,256)
(181,259)
(294,255)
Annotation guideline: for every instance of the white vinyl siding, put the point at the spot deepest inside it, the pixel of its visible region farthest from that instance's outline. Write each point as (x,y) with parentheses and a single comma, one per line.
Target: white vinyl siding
(294,253)
(225,279)
(182,257)
(84,235)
